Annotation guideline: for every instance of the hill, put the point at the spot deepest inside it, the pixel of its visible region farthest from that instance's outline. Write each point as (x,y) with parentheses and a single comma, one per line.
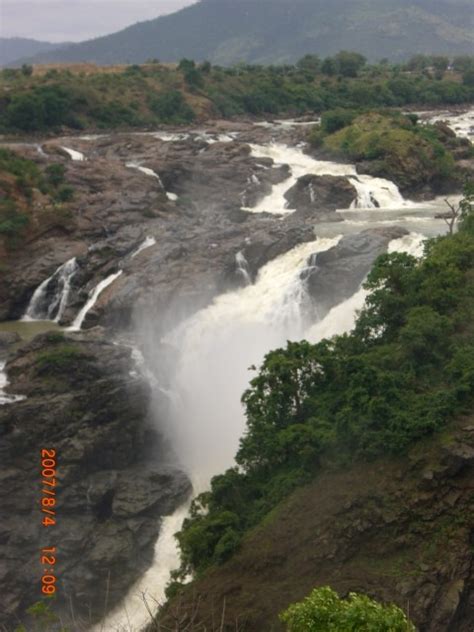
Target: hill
(280,31)
(13,48)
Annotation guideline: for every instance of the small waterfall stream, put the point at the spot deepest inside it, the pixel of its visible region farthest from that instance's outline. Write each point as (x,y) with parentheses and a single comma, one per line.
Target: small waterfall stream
(149,172)
(50,299)
(243,267)
(148,243)
(6,398)
(75,155)
(93,297)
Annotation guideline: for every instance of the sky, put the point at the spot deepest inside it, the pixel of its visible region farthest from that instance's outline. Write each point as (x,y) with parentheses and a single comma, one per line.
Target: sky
(76,20)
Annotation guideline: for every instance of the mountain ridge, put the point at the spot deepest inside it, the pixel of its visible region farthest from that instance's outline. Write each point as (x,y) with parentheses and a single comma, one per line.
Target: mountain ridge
(13,48)
(279,31)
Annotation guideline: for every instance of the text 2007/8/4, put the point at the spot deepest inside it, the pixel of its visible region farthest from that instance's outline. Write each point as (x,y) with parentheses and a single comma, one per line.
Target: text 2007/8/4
(48,508)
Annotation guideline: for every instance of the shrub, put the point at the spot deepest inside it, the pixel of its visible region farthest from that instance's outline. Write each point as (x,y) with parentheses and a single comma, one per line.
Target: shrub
(61,361)
(171,107)
(325,611)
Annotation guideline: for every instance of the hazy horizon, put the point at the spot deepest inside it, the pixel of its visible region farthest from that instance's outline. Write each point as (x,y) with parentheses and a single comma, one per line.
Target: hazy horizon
(77,20)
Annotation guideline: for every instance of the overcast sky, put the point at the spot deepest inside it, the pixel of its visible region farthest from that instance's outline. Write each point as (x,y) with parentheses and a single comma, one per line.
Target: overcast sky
(76,20)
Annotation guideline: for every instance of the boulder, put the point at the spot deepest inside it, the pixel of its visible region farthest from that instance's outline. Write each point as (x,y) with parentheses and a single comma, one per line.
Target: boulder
(313,194)
(336,274)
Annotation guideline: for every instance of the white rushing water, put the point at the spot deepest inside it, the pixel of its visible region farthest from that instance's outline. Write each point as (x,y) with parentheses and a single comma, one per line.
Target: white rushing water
(44,306)
(74,155)
(461,124)
(148,243)
(243,267)
(132,615)
(371,192)
(4,397)
(149,172)
(214,350)
(93,297)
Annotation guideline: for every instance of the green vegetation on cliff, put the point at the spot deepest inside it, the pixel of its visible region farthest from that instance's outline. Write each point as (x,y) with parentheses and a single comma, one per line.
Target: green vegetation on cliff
(21,181)
(154,94)
(405,371)
(393,145)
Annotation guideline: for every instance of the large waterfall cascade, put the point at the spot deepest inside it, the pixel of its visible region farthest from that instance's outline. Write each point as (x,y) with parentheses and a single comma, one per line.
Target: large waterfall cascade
(214,350)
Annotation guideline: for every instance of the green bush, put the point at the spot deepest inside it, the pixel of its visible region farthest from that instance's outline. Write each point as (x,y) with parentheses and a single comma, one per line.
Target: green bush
(55,174)
(335,120)
(325,611)
(171,107)
(60,361)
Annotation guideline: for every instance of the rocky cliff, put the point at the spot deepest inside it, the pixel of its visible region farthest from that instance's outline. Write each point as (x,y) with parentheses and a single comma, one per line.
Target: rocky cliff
(114,478)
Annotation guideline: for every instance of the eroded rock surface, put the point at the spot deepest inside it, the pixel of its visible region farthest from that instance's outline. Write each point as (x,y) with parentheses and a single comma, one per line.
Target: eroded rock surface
(114,479)
(336,274)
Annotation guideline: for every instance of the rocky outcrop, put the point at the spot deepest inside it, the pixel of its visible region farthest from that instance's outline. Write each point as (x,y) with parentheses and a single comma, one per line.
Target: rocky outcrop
(315,194)
(336,274)
(397,530)
(113,482)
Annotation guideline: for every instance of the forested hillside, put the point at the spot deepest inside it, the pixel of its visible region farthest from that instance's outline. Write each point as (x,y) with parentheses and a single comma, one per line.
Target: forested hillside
(281,31)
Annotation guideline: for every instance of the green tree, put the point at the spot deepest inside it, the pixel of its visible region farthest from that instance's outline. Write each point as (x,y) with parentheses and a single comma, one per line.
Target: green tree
(172,107)
(349,63)
(27,70)
(310,64)
(325,611)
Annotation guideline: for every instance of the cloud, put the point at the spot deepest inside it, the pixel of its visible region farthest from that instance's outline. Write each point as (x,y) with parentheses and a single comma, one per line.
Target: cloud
(76,20)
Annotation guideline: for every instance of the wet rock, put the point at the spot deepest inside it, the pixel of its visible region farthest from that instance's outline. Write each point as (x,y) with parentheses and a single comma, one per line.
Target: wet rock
(337,273)
(113,482)
(7,339)
(313,194)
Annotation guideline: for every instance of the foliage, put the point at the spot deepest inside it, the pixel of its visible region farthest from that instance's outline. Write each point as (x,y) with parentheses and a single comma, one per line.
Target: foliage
(60,360)
(325,611)
(401,375)
(12,221)
(154,93)
(172,107)
(407,152)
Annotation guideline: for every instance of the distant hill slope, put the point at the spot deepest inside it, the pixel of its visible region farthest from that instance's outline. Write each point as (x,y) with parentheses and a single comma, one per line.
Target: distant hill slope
(13,48)
(273,31)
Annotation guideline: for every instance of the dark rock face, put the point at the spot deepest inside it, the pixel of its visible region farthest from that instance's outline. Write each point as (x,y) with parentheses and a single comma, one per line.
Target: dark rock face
(336,274)
(7,339)
(313,194)
(113,481)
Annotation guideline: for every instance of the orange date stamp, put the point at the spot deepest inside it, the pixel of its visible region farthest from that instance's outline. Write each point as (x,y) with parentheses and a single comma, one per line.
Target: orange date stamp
(48,509)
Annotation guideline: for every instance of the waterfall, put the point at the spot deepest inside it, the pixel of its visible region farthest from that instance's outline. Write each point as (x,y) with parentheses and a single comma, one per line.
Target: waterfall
(148,243)
(371,192)
(149,172)
(4,397)
(93,296)
(243,267)
(214,349)
(376,193)
(132,615)
(50,299)
(75,155)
